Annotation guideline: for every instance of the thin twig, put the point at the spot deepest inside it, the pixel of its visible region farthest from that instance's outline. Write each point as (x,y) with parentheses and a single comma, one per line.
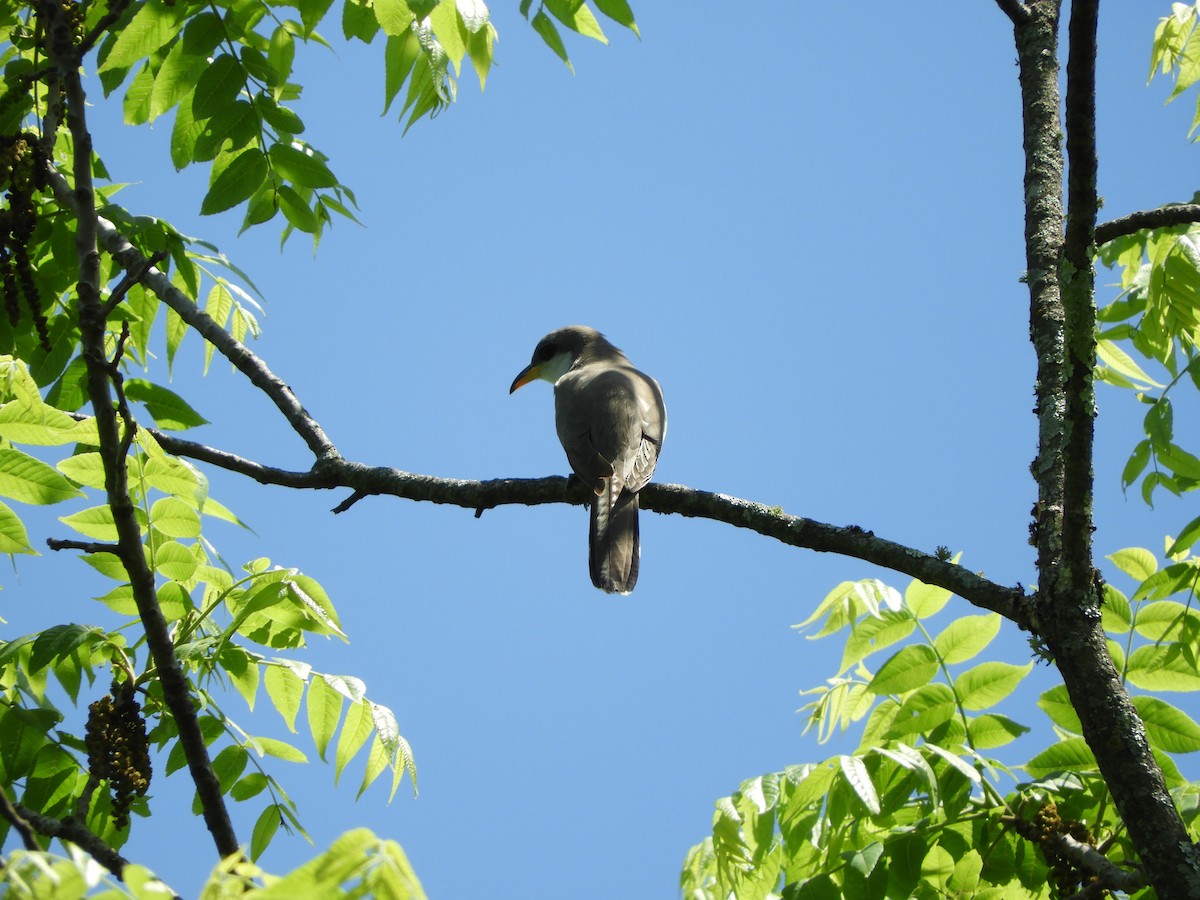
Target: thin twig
(85,546)
(131,278)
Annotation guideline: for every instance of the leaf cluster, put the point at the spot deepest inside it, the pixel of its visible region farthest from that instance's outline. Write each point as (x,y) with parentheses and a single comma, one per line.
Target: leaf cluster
(228,628)
(920,808)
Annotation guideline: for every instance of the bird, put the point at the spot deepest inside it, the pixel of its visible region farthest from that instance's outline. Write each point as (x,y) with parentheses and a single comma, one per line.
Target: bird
(611,421)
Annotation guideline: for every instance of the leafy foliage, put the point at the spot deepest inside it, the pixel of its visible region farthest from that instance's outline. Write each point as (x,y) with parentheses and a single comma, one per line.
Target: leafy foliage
(921,808)
(225,72)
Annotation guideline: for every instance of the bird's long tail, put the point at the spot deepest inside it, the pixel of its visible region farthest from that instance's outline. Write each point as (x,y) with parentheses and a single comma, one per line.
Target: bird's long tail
(614,550)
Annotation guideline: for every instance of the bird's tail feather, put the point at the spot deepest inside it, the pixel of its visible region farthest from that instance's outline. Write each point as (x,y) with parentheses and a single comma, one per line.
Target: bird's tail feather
(614,550)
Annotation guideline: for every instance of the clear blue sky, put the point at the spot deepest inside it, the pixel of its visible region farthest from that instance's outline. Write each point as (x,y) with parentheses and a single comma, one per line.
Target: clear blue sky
(805,220)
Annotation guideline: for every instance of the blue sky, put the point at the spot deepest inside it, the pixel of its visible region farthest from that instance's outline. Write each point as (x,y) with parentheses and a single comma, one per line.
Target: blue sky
(806,222)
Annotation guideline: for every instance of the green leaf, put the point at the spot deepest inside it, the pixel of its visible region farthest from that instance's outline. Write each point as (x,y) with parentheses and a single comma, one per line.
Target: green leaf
(265,746)
(992,730)
(180,70)
(324,709)
(445,23)
(95,522)
(966,637)
(1070,755)
(297,211)
(988,683)
(218,86)
(151,27)
(874,634)
(480,46)
(169,411)
(1115,615)
(619,11)
(301,166)
(1137,563)
(394,17)
(359,726)
(239,666)
(937,869)
(1167,727)
(248,786)
(184,133)
(927,708)
(1166,618)
(13,536)
(856,775)
(281,118)
(40,425)
(544,26)
(399,754)
(1187,537)
(30,480)
(925,600)
(229,765)
(232,127)
(265,827)
(285,687)
(1165,582)
(1056,703)
(236,182)
(174,561)
(1115,358)
(909,668)
(137,97)
(59,642)
(174,518)
(577,16)
(1162,667)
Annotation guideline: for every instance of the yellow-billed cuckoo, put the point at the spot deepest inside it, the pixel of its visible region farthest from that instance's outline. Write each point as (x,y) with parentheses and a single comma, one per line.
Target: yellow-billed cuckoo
(611,421)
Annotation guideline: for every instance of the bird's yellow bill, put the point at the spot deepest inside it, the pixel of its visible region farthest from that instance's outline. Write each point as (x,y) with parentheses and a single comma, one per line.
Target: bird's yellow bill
(528,374)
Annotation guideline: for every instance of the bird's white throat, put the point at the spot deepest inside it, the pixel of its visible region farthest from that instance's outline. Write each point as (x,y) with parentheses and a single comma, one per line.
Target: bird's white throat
(556,366)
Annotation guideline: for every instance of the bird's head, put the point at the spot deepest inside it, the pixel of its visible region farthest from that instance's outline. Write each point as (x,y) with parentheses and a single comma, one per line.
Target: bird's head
(557,352)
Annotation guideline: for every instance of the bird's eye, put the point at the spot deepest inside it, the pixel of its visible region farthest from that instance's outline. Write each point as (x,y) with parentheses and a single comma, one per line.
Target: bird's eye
(543,352)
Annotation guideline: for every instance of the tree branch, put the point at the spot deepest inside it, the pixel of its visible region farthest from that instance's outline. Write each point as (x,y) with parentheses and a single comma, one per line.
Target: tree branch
(1112,876)
(1163,217)
(1062,320)
(232,349)
(8,812)
(85,546)
(1017,12)
(93,331)
(1083,203)
(77,833)
(795,531)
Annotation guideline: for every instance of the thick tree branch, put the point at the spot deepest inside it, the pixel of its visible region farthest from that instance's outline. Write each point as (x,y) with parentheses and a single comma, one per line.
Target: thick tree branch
(75,832)
(795,531)
(1062,321)
(93,331)
(1163,217)
(1037,53)
(1078,285)
(1017,12)
(8,812)
(1088,857)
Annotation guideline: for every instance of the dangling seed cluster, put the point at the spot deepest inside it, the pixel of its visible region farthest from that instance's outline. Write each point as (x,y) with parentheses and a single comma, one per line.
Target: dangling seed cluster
(118,749)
